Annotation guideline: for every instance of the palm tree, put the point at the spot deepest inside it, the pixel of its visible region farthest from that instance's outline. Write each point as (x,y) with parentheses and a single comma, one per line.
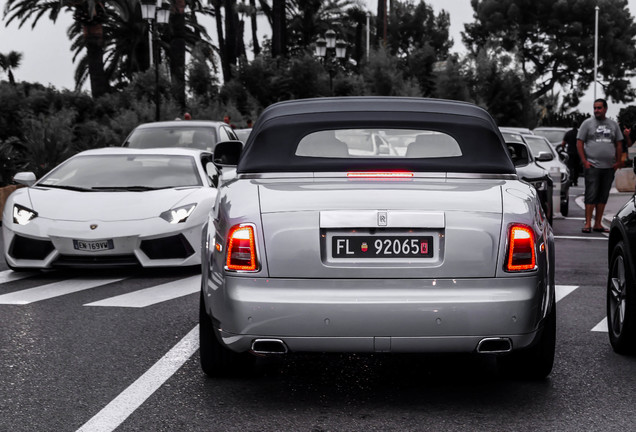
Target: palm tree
(10,61)
(126,49)
(90,14)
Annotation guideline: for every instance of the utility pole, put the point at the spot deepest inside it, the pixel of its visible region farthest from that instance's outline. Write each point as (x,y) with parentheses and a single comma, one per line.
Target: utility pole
(595,50)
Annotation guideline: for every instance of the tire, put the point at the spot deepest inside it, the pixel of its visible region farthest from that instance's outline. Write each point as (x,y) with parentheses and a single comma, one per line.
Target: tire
(534,363)
(621,308)
(216,359)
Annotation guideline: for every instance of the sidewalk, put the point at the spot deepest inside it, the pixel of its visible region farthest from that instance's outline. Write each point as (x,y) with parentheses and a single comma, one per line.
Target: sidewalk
(614,204)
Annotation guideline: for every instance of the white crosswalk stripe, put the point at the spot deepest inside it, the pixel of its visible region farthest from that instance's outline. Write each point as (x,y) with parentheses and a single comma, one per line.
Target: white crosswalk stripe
(563,290)
(153,295)
(601,327)
(56,289)
(10,275)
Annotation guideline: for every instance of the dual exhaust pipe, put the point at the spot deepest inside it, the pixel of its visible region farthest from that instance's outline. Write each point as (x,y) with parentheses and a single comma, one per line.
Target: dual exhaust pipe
(268,347)
(494,345)
(491,345)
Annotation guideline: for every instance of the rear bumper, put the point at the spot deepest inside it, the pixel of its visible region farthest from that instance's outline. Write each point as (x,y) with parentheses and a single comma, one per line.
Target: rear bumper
(348,315)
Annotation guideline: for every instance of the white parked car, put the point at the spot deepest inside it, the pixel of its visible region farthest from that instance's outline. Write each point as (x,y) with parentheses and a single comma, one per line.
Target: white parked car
(112,207)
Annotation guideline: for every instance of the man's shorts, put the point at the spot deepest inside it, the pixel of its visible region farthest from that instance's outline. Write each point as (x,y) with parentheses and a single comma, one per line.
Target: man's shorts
(598,182)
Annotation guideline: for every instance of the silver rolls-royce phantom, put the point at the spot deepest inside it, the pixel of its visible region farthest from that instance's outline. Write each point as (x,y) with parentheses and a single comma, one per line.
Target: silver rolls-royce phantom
(375,224)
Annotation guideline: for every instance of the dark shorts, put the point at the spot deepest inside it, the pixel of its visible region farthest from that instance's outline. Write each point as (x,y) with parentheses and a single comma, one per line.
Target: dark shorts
(598,182)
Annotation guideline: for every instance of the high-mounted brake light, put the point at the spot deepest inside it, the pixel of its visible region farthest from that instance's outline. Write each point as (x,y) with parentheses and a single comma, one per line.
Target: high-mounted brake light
(521,250)
(381,174)
(241,248)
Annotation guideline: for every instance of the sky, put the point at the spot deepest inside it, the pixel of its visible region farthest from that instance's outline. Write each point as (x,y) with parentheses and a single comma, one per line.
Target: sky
(47,57)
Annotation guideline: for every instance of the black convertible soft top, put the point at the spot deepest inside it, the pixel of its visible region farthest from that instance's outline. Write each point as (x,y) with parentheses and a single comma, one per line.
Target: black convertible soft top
(271,147)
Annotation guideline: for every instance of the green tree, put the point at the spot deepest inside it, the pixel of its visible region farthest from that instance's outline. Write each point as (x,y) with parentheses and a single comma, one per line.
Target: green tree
(627,116)
(89,14)
(10,61)
(553,41)
(499,88)
(450,80)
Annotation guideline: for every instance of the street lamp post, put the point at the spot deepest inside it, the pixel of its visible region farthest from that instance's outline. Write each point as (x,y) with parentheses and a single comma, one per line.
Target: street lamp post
(155,17)
(327,44)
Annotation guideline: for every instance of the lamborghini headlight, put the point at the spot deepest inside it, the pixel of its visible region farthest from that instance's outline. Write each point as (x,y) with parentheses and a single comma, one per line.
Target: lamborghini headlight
(179,214)
(23,215)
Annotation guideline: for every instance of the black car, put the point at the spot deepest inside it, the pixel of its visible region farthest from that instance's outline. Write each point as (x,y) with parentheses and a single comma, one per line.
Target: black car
(531,172)
(621,282)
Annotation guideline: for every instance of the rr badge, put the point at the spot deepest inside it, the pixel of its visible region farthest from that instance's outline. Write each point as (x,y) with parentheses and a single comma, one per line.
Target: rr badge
(382,218)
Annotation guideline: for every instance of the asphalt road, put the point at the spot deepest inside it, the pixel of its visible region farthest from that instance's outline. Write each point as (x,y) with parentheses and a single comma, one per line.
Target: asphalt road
(99,351)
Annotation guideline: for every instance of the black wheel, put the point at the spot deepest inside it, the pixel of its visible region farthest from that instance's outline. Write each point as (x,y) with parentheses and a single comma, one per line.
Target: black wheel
(534,363)
(216,359)
(565,207)
(620,302)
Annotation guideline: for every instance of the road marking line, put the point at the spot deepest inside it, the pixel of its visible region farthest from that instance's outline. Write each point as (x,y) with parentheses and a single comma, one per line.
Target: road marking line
(153,295)
(574,218)
(56,289)
(563,290)
(581,238)
(10,275)
(601,327)
(120,408)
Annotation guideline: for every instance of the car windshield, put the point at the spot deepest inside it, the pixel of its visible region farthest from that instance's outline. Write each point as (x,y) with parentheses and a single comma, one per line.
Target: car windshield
(378,143)
(538,145)
(124,172)
(552,135)
(511,137)
(172,136)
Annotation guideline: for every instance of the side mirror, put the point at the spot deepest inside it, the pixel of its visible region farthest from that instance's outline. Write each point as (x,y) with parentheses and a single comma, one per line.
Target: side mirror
(227,153)
(544,157)
(25,178)
(518,154)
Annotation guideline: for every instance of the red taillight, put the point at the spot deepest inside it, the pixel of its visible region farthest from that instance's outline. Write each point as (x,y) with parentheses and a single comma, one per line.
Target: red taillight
(521,250)
(241,248)
(380,175)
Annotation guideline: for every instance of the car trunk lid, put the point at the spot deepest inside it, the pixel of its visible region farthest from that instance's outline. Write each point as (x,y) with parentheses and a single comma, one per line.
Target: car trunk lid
(422,228)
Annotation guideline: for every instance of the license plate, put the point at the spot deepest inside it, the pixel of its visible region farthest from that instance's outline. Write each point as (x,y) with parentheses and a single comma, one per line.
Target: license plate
(382,246)
(93,246)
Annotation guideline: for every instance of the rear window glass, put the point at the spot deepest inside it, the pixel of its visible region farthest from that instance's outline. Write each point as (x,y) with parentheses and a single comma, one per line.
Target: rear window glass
(189,137)
(378,143)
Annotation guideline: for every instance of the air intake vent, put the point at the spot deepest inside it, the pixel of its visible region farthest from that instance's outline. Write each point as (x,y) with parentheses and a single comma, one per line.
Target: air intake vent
(98,261)
(30,249)
(175,247)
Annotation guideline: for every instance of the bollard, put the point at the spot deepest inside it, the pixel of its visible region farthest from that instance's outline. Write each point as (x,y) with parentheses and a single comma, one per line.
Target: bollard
(555,174)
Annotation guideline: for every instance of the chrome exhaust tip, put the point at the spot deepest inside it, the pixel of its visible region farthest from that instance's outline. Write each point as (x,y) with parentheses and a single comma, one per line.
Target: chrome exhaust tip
(494,345)
(268,346)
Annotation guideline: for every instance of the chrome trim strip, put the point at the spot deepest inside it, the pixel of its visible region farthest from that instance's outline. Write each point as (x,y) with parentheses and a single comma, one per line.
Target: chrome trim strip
(369,219)
(482,176)
(416,175)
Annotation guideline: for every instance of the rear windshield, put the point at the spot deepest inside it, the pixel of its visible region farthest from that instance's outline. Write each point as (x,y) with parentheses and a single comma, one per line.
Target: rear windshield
(375,140)
(190,137)
(378,143)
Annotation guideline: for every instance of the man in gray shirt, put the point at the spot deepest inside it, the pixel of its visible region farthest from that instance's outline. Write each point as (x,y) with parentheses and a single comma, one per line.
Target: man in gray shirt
(600,146)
